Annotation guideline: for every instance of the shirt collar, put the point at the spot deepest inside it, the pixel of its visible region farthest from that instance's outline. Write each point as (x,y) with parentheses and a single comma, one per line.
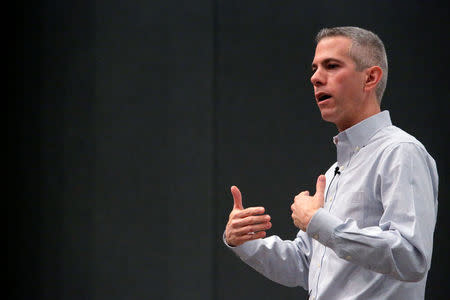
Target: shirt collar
(359,135)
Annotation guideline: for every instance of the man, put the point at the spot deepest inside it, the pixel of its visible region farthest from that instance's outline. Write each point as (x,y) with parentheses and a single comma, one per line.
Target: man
(367,232)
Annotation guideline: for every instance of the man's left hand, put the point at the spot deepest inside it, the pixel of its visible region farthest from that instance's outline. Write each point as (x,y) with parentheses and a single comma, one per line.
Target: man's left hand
(305,206)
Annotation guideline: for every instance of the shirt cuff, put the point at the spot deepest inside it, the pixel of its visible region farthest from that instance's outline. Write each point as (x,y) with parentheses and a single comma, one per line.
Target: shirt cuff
(322,226)
(245,250)
(225,241)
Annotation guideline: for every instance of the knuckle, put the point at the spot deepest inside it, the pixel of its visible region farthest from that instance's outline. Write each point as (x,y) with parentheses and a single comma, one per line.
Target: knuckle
(234,223)
(242,231)
(247,220)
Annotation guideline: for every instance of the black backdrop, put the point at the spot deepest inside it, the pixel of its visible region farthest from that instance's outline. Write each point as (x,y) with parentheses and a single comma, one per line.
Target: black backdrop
(133,118)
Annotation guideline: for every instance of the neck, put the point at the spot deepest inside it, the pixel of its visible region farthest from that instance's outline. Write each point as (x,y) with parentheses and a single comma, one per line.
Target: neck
(370,108)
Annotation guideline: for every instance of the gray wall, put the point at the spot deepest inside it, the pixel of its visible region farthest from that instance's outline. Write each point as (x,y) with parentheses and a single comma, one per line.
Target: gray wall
(132,120)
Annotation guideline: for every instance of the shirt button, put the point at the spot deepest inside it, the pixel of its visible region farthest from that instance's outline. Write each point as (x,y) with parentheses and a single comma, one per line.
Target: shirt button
(330,199)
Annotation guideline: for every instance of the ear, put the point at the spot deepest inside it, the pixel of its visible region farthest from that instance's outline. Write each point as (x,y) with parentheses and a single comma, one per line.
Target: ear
(373,76)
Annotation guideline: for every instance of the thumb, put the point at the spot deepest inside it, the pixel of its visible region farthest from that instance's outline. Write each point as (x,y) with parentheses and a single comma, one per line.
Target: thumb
(320,187)
(237,197)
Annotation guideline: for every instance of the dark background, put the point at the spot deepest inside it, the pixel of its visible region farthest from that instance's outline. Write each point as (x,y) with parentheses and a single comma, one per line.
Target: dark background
(132,119)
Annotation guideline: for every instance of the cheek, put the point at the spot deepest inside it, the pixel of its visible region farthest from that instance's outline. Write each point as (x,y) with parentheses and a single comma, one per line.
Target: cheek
(346,77)
(349,88)
(343,81)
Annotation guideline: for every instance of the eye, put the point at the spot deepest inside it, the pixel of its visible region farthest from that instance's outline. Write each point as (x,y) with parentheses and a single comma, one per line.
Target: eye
(332,66)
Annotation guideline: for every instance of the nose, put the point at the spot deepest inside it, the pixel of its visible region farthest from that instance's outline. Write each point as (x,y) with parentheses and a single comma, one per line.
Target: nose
(317,79)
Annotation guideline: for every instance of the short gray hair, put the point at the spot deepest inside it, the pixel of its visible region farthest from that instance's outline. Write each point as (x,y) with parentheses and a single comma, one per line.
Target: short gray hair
(367,50)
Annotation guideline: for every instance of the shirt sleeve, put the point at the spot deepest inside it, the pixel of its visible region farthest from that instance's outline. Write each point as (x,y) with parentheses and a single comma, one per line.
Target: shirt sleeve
(401,245)
(283,261)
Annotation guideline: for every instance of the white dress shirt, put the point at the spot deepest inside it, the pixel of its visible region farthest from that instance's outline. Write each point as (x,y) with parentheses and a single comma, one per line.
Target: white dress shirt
(373,238)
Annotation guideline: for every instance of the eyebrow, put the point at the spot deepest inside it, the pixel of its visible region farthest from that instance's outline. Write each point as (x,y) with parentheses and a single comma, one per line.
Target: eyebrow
(325,61)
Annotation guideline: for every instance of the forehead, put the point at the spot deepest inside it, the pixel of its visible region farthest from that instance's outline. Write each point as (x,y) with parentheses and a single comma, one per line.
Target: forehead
(336,47)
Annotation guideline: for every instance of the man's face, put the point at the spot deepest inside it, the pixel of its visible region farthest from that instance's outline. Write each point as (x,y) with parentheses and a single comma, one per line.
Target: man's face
(338,87)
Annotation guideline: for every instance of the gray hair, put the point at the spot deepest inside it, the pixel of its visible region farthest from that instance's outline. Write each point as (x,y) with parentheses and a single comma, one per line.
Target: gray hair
(367,50)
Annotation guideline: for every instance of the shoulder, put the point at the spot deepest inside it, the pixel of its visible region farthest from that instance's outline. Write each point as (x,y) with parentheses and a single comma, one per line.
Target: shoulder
(398,147)
(392,138)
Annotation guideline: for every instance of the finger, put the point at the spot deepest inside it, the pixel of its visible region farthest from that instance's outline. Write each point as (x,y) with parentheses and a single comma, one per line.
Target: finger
(320,187)
(295,221)
(250,211)
(304,193)
(253,229)
(250,220)
(249,237)
(237,197)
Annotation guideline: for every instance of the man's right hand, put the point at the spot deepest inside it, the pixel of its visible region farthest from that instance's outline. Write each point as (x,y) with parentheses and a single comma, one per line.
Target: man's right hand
(245,224)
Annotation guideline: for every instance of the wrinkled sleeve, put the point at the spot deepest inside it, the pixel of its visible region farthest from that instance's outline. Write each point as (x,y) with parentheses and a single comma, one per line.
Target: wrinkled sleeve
(283,261)
(401,245)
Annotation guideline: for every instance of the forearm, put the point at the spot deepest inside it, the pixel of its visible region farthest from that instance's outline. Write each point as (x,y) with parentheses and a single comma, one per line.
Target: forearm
(284,262)
(383,250)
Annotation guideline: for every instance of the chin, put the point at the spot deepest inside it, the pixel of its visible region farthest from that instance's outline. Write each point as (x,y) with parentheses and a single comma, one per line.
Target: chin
(327,116)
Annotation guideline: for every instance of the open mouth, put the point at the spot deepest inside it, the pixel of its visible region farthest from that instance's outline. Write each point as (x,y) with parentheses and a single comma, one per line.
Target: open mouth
(323,97)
